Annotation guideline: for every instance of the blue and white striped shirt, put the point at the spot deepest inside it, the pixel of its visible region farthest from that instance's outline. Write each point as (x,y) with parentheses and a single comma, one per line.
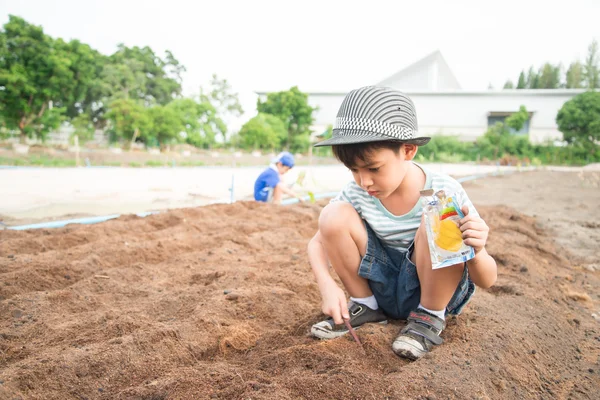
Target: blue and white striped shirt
(398,231)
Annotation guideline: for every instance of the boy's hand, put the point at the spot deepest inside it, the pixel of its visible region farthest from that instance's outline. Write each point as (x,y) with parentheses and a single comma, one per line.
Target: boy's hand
(335,304)
(474,230)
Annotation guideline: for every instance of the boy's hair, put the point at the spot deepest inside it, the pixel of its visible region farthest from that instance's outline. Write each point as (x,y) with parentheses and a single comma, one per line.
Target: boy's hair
(348,154)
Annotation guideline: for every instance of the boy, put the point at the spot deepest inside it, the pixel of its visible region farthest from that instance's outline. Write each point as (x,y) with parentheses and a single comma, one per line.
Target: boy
(268,185)
(373,235)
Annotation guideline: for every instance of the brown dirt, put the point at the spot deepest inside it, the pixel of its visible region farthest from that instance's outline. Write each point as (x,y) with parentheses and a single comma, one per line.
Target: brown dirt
(136,308)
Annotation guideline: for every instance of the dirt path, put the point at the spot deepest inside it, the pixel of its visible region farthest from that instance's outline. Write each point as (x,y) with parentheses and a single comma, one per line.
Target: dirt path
(216,302)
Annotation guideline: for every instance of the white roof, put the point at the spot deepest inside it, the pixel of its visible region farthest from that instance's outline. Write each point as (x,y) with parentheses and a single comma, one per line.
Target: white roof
(429,73)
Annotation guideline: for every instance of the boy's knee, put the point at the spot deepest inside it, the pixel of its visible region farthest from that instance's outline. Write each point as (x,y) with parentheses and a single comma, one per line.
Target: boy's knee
(337,217)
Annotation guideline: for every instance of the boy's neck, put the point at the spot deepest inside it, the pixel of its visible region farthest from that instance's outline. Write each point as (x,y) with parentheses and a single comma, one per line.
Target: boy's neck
(414,181)
(408,191)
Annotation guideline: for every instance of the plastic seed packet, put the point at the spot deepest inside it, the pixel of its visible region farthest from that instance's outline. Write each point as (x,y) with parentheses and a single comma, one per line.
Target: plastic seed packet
(442,215)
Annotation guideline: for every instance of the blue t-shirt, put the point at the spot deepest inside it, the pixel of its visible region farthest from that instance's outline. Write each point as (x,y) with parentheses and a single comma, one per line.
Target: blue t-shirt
(265,182)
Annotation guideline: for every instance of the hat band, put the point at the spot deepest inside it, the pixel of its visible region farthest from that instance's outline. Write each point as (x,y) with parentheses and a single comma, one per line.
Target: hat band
(370,125)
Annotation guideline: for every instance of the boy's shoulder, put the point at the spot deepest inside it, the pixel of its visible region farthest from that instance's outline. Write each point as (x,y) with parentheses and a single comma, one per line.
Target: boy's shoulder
(269,171)
(440,181)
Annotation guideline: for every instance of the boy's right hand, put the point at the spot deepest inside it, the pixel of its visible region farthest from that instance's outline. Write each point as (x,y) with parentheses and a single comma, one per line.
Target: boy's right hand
(335,304)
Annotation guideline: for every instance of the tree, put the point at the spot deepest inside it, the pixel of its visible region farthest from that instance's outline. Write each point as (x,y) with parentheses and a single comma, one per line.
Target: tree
(200,121)
(83,127)
(522,83)
(265,131)
(548,77)
(224,101)
(34,73)
(142,75)
(128,120)
(134,73)
(518,119)
(86,65)
(292,108)
(165,125)
(509,85)
(575,76)
(579,121)
(531,82)
(592,70)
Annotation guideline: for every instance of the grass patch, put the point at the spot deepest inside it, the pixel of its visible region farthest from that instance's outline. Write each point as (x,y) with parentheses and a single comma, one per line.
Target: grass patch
(37,161)
(154,163)
(192,164)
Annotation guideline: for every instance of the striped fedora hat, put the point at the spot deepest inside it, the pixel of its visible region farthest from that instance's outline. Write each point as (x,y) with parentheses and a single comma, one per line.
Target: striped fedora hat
(374,114)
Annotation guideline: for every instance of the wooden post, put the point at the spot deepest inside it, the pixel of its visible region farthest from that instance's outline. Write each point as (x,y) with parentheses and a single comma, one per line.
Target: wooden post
(76,142)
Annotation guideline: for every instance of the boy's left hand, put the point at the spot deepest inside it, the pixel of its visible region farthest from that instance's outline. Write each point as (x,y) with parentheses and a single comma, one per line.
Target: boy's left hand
(474,230)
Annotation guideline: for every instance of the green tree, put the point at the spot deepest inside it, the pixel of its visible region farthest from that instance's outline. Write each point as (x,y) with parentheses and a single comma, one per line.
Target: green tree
(199,120)
(134,73)
(292,107)
(86,65)
(522,83)
(128,120)
(592,70)
(532,79)
(83,127)
(142,75)
(518,119)
(34,73)
(265,131)
(549,77)
(509,85)
(579,121)
(223,99)
(166,125)
(575,77)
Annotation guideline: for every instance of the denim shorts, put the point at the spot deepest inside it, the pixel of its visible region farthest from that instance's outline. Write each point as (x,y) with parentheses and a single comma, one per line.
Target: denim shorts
(394,281)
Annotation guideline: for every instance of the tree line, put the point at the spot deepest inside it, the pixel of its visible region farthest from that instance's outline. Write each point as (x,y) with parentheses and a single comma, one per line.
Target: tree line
(133,94)
(579,75)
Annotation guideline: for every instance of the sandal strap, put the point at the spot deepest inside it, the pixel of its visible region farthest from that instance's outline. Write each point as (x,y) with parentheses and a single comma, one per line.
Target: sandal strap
(425,318)
(424,331)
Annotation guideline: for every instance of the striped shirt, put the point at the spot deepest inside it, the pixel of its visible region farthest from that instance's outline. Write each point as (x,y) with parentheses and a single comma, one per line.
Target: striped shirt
(398,231)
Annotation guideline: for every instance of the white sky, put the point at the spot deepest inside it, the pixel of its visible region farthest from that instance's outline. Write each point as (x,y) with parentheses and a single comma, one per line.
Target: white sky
(326,45)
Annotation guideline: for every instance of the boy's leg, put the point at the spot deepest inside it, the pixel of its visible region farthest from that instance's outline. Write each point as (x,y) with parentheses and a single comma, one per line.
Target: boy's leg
(277,194)
(437,288)
(344,238)
(437,285)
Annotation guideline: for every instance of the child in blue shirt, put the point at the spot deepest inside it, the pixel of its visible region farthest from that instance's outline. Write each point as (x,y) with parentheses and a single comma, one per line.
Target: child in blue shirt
(269,186)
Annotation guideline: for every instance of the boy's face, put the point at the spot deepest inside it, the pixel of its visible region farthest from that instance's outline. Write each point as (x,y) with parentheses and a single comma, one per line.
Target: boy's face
(282,168)
(383,171)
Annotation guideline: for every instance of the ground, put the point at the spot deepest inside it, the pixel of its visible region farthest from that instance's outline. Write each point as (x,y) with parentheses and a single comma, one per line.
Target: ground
(217,301)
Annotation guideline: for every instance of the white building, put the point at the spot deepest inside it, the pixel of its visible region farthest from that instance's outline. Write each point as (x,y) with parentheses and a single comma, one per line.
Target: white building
(444,109)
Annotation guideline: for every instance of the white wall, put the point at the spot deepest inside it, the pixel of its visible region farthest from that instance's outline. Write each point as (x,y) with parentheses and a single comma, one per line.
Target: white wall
(465,113)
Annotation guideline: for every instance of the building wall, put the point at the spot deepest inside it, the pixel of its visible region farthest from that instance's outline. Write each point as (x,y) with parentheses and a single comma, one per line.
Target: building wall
(465,113)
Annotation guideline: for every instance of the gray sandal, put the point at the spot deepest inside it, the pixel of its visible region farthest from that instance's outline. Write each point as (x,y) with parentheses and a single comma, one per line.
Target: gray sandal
(421,333)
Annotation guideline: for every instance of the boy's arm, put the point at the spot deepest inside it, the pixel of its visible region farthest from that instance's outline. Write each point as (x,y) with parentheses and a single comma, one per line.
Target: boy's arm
(288,191)
(319,262)
(482,269)
(334,298)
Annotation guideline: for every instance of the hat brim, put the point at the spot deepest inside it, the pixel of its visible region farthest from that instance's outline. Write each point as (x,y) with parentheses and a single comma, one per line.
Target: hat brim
(369,137)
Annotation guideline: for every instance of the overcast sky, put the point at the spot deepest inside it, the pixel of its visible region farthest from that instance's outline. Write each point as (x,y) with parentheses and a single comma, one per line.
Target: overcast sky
(326,45)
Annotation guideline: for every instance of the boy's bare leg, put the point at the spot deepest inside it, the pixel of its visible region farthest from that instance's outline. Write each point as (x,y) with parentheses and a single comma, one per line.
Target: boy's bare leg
(437,286)
(344,237)
(277,195)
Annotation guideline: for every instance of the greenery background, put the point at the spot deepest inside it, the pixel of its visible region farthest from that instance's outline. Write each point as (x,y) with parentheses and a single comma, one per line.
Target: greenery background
(135,96)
